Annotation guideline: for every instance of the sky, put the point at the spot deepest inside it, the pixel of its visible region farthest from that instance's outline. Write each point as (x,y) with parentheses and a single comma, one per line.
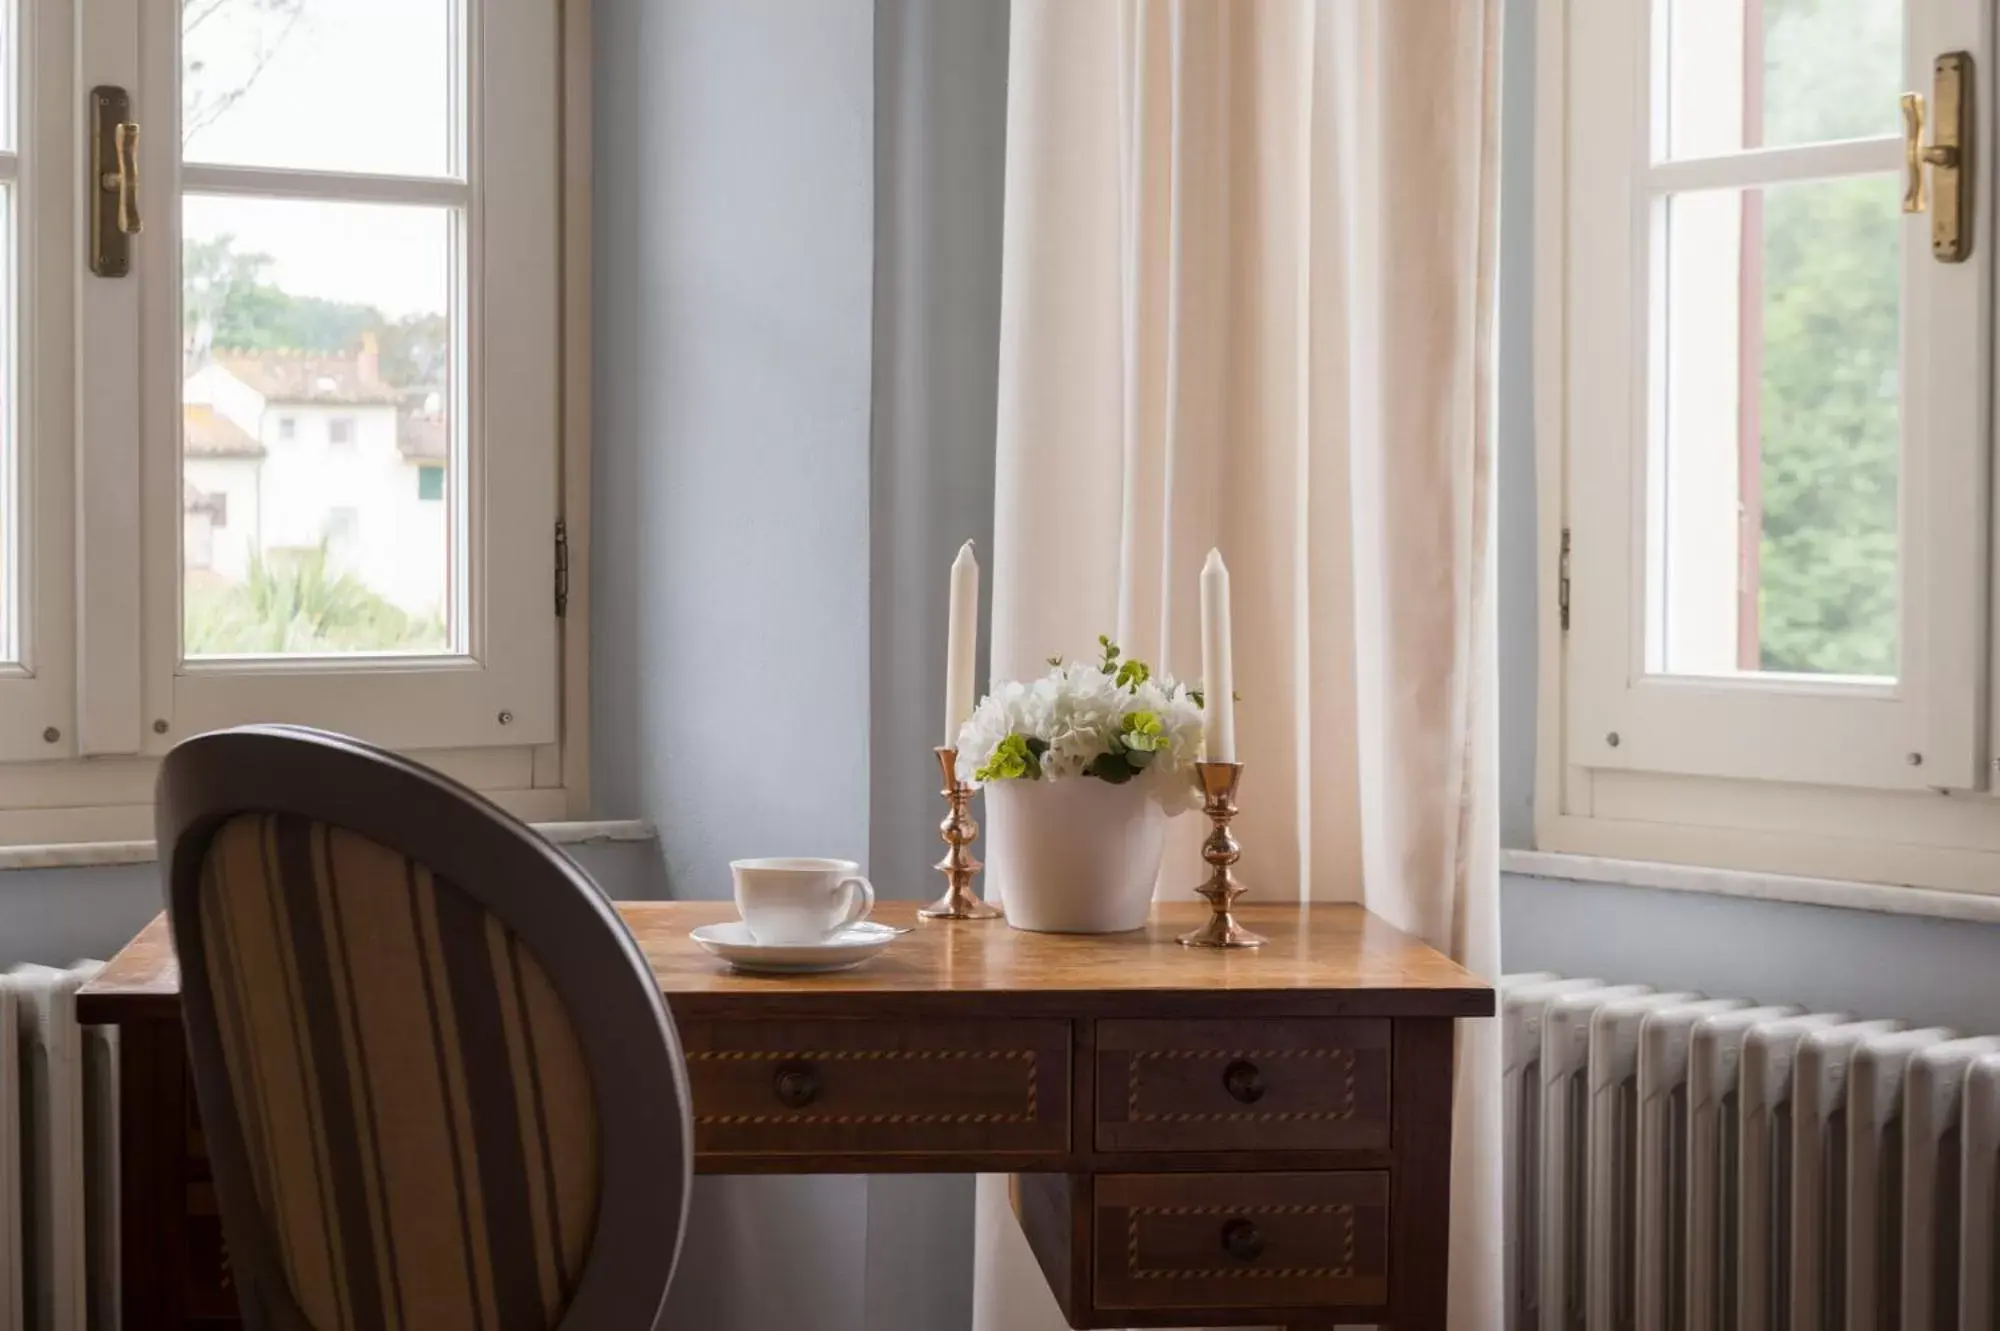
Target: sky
(352,85)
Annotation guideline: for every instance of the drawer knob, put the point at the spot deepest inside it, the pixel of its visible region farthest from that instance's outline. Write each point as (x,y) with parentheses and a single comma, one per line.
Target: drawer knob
(1243,1081)
(1242,1240)
(797,1085)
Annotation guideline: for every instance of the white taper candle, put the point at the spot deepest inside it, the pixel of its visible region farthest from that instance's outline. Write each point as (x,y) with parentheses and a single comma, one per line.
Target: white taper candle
(962,646)
(1218,670)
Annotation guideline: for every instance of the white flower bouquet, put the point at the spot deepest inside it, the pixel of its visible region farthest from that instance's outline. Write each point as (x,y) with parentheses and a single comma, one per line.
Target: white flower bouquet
(1113,720)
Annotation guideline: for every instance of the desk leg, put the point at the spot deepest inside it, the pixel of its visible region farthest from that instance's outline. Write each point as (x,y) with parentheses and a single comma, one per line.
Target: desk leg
(152,1149)
(1420,1209)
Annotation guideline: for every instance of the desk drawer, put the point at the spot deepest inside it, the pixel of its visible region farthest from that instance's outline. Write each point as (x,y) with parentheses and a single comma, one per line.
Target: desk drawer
(1241,1240)
(792,1088)
(1300,1084)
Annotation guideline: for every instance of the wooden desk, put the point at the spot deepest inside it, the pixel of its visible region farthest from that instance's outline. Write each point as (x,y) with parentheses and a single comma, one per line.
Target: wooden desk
(1195,1137)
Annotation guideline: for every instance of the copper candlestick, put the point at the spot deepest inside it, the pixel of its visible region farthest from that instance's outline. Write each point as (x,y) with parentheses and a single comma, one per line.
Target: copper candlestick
(1218,790)
(958,865)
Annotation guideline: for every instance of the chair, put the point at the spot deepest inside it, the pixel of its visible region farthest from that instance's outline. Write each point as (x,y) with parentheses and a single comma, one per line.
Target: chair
(439,1086)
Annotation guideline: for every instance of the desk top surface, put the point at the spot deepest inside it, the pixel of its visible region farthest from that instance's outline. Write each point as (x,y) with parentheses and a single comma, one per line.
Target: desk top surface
(1320,958)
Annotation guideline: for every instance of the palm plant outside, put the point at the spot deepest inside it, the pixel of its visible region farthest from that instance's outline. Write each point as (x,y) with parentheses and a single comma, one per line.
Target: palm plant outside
(297,603)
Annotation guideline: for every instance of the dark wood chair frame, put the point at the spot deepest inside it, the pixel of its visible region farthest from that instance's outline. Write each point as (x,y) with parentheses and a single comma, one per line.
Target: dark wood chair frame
(638,1075)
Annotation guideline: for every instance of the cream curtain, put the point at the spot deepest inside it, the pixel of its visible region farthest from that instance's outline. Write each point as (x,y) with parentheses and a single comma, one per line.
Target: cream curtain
(1247,303)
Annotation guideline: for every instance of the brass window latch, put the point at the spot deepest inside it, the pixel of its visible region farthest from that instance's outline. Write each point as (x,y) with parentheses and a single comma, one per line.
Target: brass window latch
(1937,177)
(114,172)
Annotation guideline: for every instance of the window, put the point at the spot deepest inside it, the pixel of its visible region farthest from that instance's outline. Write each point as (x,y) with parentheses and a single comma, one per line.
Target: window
(343,524)
(376,269)
(1764,443)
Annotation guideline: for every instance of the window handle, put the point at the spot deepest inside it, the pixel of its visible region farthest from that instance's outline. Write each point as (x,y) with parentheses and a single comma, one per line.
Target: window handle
(123,179)
(1915,198)
(114,169)
(1945,190)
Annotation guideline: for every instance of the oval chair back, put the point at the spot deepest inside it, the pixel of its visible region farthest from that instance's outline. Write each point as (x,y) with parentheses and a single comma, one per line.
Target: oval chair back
(438,1084)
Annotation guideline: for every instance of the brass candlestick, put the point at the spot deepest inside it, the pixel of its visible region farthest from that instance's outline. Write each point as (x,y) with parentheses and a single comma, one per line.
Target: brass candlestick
(958,865)
(1218,789)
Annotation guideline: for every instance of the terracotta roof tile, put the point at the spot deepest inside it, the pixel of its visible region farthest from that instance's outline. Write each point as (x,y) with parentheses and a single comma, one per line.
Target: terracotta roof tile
(295,376)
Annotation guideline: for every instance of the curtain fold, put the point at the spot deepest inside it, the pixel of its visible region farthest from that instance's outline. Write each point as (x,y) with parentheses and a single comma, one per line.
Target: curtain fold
(1247,302)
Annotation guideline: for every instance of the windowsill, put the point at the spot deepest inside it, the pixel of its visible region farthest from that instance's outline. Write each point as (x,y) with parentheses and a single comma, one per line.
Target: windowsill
(100,854)
(1881,898)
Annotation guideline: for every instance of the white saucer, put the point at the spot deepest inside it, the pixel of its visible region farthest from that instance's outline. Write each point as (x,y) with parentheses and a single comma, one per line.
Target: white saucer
(732,942)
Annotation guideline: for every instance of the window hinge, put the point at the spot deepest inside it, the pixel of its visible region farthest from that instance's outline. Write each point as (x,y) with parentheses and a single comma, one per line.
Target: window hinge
(562,571)
(1562,582)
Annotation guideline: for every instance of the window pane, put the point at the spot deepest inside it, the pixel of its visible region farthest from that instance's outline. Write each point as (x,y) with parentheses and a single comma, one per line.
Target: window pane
(329,85)
(1773,486)
(11,535)
(319,390)
(10,83)
(1770,73)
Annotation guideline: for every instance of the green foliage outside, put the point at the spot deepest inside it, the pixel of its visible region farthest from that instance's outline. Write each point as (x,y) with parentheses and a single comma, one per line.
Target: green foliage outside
(295,604)
(1832,257)
(226,292)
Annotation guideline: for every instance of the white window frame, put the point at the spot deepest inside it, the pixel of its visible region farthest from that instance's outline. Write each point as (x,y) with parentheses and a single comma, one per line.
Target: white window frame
(100,634)
(1833,779)
(38,695)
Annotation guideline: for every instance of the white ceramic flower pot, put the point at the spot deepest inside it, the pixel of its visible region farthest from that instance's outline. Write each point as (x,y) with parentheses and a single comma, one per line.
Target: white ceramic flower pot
(1073,857)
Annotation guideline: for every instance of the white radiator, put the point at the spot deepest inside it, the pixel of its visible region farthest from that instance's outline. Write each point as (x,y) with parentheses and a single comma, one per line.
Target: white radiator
(58,1156)
(1683,1163)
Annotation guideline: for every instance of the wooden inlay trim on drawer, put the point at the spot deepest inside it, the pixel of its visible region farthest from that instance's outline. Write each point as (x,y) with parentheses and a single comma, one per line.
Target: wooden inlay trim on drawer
(1264,1084)
(842,1088)
(1344,1270)
(1026,1057)
(1297,1239)
(1338,1113)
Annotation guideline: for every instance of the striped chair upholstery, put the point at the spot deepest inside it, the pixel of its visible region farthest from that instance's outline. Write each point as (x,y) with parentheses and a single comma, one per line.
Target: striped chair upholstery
(416,1111)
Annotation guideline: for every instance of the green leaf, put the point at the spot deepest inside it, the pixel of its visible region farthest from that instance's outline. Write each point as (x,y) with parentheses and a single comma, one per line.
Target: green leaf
(1134,673)
(1014,758)
(1142,732)
(1111,767)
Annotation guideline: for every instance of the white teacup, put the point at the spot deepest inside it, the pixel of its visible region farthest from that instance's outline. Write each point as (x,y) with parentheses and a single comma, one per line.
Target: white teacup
(805,900)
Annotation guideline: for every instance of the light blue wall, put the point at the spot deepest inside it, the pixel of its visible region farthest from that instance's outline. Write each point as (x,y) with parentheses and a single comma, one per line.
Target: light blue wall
(1515,351)
(1922,970)
(59,915)
(940,148)
(1873,965)
(730,482)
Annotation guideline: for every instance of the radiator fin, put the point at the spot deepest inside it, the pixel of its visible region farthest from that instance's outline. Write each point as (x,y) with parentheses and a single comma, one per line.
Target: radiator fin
(1716,1183)
(1767,1169)
(1979,1213)
(58,1107)
(1565,1152)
